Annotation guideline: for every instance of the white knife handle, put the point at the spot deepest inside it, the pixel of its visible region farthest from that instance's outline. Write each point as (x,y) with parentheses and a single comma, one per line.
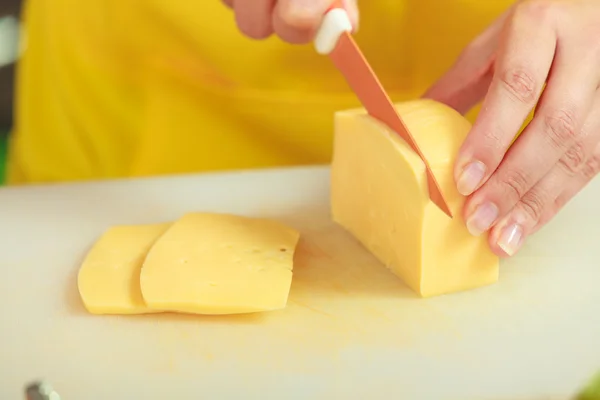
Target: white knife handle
(334,24)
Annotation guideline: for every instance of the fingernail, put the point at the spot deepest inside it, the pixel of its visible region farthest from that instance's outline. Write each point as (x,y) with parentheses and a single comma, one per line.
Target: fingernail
(510,239)
(482,219)
(470,178)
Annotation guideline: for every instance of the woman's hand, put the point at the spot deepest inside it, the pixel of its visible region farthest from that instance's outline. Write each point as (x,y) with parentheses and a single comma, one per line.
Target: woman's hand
(294,21)
(537,43)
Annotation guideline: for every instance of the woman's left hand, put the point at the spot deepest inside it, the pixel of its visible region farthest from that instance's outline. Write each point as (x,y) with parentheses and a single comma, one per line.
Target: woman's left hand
(513,192)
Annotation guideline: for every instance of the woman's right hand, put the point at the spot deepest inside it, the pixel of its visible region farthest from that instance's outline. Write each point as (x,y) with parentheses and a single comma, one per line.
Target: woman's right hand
(294,21)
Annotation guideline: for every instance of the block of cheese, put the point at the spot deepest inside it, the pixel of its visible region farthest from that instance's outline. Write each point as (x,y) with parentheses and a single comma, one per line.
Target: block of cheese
(379,194)
(109,277)
(210,263)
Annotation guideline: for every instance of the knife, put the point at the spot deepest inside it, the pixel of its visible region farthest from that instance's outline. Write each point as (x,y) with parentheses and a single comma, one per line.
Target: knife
(334,38)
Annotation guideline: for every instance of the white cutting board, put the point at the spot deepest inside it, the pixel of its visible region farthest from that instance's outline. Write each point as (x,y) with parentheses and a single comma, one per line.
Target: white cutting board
(351,329)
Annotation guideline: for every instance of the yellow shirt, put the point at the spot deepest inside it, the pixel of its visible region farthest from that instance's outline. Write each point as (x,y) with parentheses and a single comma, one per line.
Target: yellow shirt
(116,88)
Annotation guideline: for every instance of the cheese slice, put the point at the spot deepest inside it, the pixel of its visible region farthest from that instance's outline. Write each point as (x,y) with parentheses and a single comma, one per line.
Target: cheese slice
(379,194)
(109,277)
(209,263)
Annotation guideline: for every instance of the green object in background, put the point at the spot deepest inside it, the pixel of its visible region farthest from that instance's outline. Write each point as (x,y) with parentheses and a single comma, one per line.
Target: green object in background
(3,140)
(591,390)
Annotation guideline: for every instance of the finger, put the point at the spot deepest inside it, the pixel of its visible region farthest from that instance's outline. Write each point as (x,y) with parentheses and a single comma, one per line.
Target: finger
(351,8)
(468,80)
(568,176)
(572,188)
(296,21)
(254,17)
(508,236)
(525,55)
(589,171)
(556,127)
(228,3)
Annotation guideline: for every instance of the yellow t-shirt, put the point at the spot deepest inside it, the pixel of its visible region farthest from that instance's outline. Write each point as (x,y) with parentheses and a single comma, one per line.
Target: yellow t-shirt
(113,88)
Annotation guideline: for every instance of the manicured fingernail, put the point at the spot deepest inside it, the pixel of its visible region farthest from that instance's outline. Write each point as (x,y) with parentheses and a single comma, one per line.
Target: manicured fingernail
(470,178)
(482,219)
(511,238)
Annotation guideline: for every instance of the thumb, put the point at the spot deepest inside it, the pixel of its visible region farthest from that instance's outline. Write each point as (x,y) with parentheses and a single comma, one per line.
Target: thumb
(468,80)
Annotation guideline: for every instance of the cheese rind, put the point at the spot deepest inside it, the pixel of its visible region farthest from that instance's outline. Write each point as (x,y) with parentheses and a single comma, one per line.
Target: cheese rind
(109,277)
(210,263)
(379,194)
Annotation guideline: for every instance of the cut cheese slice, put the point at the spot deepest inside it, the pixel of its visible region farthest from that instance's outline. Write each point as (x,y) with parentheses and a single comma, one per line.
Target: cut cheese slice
(379,194)
(109,277)
(209,263)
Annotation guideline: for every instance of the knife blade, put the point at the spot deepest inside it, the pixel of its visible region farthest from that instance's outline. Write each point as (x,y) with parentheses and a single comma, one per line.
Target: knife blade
(334,38)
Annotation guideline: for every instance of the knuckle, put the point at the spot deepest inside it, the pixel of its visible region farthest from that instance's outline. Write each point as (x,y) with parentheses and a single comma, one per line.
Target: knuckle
(561,128)
(515,184)
(573,159)
(520,84)
(533,204)
(591,168)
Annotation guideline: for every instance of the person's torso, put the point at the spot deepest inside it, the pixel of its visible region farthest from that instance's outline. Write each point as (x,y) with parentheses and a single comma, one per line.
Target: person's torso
(112,88)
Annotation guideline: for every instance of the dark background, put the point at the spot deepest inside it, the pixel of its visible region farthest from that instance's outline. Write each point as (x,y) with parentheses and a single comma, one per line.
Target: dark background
(7,73)
(7,87)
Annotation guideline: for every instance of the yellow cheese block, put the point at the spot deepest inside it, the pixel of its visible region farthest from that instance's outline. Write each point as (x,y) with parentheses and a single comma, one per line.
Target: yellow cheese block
(209,263)
(379,194)
(109,277)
